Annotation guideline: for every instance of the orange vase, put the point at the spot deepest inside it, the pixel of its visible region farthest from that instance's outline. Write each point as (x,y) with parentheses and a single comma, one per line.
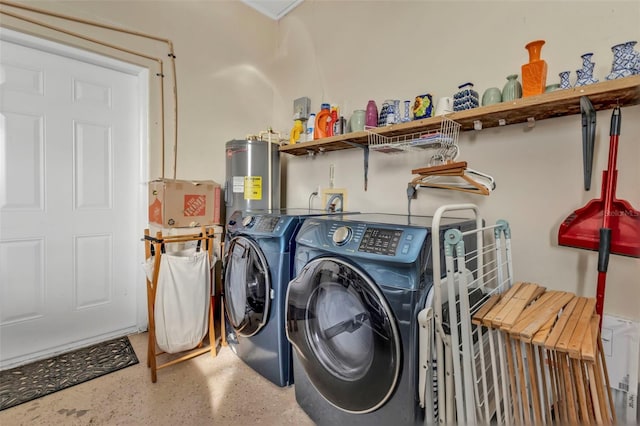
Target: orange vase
(534,74)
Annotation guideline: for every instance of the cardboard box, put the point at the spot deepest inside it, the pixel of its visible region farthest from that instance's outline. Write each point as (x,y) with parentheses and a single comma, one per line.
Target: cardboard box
(184,203)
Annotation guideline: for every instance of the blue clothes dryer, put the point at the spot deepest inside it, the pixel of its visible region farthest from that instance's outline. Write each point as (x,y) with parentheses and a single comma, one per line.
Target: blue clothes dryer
(258,266)
(351,316)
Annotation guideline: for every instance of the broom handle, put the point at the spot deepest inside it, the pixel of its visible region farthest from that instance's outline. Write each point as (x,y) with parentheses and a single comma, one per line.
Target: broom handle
(614,134)
(604,247)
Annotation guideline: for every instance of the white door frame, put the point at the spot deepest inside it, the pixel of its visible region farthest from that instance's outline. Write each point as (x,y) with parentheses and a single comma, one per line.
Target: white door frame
(142,75)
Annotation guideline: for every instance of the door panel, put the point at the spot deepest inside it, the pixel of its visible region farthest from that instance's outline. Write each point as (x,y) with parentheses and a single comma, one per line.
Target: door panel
(345,334)
(70,161)
(247,286)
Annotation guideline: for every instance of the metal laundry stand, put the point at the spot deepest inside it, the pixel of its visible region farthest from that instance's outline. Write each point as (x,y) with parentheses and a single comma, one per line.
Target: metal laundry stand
(467,390)
(155,248)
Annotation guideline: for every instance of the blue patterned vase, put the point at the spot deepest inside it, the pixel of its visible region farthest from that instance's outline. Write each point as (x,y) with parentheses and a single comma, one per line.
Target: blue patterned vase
(384,112)
(623,58)
(564,80)
(585,75)
(634,57)
(396,111)
(407,107)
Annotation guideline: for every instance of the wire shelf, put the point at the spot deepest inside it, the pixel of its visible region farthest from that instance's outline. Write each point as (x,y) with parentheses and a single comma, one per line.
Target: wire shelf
(443,138)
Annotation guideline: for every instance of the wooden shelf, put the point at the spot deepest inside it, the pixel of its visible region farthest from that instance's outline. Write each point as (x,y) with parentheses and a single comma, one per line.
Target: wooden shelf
(604,95)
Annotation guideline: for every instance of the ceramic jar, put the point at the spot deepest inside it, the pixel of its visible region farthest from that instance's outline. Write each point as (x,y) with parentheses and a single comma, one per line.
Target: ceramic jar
(491,96)
(626,61)
(358,120)
(387,107)
(512,89)
(372,114)
(635,61)
(444,106)
(465,98)
(423,106)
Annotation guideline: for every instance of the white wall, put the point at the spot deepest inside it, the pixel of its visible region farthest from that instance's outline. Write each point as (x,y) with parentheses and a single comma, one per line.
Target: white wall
(348,52)
(238,73)
(223,49)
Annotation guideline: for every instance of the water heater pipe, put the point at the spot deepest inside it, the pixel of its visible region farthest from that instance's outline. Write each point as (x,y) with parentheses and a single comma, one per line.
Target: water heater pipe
(270,199)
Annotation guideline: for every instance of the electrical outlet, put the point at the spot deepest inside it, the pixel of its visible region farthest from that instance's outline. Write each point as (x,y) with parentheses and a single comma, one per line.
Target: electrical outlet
(318,190)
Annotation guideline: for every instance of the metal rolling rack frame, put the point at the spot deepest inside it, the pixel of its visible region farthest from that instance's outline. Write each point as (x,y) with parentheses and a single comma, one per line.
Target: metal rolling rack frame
(462,397)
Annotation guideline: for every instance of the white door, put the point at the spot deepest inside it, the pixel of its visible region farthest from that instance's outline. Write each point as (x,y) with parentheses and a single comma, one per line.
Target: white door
(70,160)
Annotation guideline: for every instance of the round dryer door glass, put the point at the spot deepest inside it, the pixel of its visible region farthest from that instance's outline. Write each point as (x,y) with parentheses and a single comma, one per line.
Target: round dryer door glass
(247,287)
(345,335)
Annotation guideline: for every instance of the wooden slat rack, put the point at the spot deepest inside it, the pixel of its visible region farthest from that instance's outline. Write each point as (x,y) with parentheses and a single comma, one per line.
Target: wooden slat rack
(556,369)
(155,247)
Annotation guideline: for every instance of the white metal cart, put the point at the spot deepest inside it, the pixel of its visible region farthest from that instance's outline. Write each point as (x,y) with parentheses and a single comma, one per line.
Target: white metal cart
(460,383)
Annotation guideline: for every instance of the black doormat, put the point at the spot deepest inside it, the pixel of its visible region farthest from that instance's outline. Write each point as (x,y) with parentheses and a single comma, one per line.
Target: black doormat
(28,382)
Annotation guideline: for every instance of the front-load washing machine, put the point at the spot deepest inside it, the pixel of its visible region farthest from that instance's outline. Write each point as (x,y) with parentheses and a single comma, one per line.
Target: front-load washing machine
(258,265)
(351,316)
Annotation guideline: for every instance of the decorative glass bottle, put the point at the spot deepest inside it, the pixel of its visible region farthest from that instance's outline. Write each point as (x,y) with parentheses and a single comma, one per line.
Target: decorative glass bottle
(512,89)
(534,74)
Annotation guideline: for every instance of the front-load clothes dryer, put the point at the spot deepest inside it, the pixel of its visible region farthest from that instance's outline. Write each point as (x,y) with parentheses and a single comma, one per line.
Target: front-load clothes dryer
(258,265)
(351,316)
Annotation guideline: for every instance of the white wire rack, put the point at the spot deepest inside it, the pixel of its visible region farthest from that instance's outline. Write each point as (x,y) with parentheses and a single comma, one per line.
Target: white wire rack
(469,360)
(443,140)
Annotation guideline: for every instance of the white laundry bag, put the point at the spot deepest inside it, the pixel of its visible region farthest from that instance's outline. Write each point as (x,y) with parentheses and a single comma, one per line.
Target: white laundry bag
(182,299)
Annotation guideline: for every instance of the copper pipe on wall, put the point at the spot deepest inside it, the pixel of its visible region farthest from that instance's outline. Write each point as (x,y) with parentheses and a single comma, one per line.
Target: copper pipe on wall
(171,55)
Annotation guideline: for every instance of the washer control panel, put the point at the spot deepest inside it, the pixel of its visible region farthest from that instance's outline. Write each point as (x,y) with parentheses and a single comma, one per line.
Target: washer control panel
(380,241)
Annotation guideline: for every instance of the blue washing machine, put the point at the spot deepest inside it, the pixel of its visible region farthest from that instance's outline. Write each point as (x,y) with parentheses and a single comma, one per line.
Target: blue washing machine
(258,266)
(351,316)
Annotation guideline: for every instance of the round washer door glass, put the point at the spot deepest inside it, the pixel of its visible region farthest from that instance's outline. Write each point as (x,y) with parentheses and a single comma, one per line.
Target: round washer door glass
(345,335)
(247,286)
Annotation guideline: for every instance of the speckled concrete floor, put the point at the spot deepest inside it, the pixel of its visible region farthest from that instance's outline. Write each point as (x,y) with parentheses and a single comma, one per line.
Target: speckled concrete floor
(202,391)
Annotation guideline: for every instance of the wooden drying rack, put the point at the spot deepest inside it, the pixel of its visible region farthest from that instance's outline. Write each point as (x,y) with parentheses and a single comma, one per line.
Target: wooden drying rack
(155,247)
(553,335)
